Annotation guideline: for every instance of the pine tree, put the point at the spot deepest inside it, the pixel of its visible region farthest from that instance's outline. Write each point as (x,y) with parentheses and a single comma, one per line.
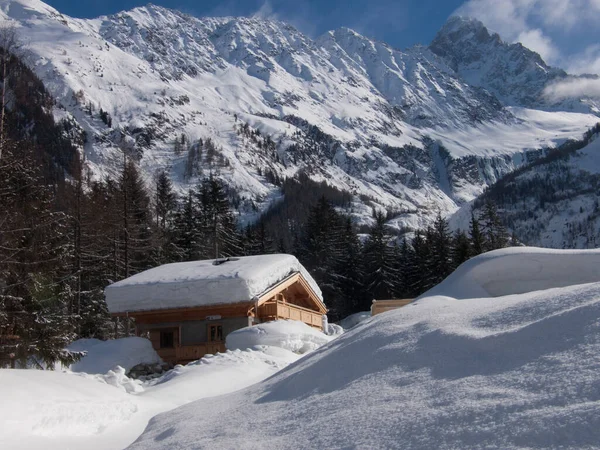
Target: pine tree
(36,323)
(461,250)
(347,273)
(477,239)
(441,250)
(187,231)
(419,272)
(494,231)
(380,269)
(217,221)
(166,200)
(404,264)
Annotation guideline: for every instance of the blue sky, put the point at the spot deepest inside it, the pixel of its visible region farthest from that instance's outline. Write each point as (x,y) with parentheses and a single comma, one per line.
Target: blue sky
(401,23)
(564,32)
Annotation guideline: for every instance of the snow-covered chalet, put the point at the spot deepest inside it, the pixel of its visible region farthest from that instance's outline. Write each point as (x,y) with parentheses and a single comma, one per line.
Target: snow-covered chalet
(187,309)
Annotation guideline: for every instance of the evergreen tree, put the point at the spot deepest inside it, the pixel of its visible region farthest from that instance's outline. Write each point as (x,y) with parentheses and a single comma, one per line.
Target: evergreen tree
(477,239)
(36,323)
(347,273)
(187,232)
(440,243)
(217,221)
(381,272)
(461,251)
(494,231)
(418,275)
(166,200)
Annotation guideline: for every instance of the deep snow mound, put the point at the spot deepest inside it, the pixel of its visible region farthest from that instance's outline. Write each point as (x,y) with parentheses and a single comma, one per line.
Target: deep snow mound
(103,356)
(354,319)
(517,270)
(290,335)
(518,371)
(57,410)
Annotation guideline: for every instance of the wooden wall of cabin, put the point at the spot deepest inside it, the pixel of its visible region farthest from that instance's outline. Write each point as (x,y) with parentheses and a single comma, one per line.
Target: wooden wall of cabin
(194,332)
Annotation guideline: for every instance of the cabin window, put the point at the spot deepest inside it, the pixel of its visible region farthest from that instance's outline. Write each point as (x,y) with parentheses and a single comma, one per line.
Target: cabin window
(215,332)
(167,339)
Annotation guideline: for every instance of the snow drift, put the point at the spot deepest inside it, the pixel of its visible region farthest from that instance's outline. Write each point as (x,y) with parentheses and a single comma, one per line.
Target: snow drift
(290,335)
(54,410)
(513,371)
(103,356)
(519,269)
(49,409)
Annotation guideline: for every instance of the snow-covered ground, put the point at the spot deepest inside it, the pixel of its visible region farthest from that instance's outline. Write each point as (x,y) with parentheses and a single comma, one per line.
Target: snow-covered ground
(289,335)
(469,365)
(94,405)
(505,353)
(102,356)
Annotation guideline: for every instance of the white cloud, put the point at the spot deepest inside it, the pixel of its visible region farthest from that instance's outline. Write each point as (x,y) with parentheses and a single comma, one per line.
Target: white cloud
(266,11)
(575,87)
(537,41)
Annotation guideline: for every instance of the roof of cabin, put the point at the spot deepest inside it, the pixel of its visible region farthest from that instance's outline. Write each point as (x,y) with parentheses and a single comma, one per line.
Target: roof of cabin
(202,283)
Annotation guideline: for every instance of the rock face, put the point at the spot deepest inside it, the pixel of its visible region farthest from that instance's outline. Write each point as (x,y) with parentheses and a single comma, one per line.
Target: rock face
(512,72)
(413,132)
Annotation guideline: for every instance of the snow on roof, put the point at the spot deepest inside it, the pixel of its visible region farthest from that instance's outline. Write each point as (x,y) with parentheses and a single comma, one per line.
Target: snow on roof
(200,283)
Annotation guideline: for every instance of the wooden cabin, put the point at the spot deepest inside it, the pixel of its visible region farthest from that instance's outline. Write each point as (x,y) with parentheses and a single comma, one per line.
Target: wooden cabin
(188,309)
(379,306)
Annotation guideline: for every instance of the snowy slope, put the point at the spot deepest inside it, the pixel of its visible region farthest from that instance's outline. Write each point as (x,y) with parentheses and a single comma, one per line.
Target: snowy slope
(399,128)
(510,371)
(551,202)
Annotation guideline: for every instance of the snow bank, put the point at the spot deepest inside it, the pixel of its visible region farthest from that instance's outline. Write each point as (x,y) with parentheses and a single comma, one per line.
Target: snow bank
(517,270)
(290,335)
(196,283)
(49,409)
(58,410)
(103,356)
(354,319)
(117,378)
(218,374)
(516,371)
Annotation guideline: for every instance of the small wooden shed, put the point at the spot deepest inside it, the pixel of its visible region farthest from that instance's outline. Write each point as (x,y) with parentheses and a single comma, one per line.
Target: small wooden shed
(379,306)
(188,309)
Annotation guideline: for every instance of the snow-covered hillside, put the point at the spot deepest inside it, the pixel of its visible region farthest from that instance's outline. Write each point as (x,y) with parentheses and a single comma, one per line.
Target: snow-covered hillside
(399,129)
(468,366)
(552,202)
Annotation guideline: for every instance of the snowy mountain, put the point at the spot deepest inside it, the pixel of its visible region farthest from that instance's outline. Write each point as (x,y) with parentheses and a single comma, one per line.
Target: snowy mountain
(552,201)
(512,72)
(409,131)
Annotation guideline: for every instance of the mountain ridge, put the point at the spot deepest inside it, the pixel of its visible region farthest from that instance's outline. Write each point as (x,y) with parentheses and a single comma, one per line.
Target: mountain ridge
(400,128)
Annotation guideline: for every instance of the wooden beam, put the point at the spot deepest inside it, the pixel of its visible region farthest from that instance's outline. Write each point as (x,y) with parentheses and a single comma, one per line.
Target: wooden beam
(287,282)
